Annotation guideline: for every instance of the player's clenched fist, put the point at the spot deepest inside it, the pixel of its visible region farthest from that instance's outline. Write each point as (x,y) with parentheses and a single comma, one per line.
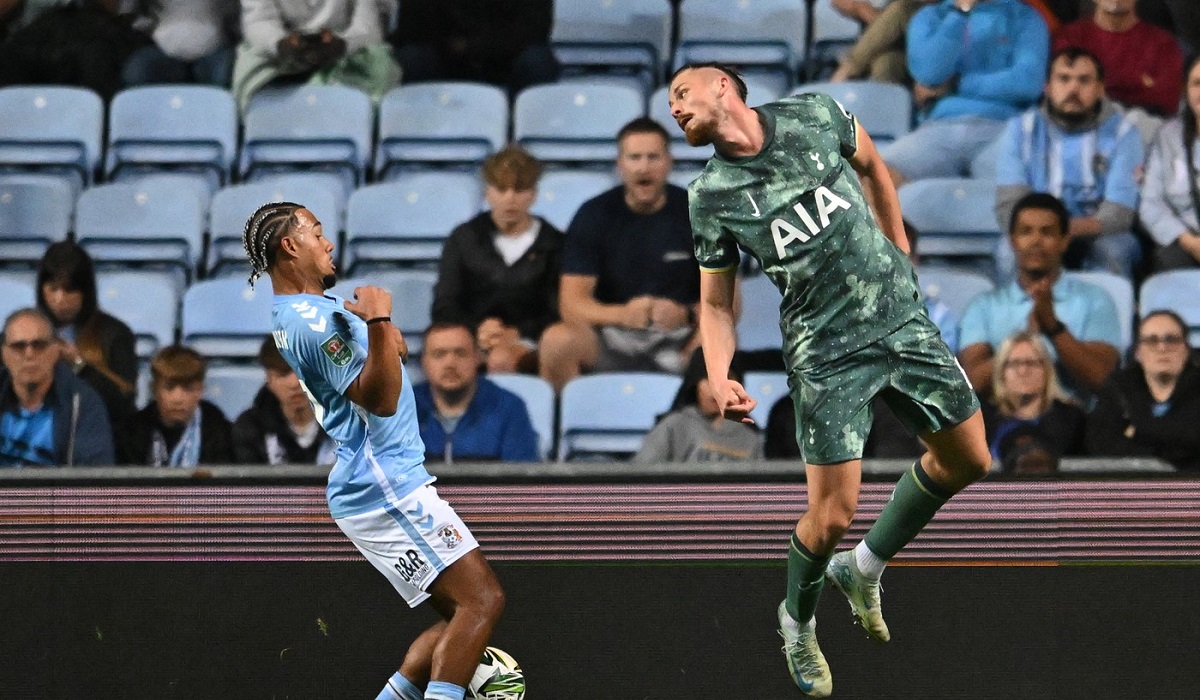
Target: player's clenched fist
(370,302)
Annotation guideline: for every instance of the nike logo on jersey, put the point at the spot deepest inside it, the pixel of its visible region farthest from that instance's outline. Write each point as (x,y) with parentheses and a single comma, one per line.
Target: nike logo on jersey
(784,232)
(753,204)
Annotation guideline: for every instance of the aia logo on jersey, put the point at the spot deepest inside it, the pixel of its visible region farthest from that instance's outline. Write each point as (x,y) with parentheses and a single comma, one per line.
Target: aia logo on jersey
(412,567)
(450,536)
(825,203)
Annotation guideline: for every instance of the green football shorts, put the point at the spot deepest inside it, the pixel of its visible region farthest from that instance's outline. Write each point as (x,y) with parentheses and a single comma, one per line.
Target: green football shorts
(912,369)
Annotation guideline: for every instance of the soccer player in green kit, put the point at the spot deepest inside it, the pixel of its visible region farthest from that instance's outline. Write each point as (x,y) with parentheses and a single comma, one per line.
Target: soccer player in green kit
(782,186)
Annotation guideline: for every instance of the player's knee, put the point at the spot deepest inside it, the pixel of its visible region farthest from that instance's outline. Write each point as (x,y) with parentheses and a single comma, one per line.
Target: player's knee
(974,467)
(832,524)
(491,601)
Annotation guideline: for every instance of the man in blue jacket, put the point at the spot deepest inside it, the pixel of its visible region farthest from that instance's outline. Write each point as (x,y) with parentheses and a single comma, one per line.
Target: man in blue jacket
(461,416)
(975,64)
(48,416)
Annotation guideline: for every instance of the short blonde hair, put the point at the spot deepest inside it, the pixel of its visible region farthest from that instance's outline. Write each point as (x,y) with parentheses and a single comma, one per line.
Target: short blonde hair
(512,167)
(1050,391)
(177,364)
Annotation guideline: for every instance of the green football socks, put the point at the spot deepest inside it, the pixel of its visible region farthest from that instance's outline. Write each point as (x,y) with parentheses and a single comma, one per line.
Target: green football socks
(913,504)
(806,578)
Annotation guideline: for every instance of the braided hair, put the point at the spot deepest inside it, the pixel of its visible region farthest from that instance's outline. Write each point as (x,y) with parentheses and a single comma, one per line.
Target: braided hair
(263,230)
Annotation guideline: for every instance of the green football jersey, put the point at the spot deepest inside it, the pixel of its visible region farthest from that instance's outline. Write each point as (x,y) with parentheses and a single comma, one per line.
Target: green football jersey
(797,206)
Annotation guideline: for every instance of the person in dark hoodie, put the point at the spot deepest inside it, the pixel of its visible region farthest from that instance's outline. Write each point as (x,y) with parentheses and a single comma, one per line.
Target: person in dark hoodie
(178,428)
(99,347)
(280,427)
(1152,407)
(48,416)
(462,416)
(499,271)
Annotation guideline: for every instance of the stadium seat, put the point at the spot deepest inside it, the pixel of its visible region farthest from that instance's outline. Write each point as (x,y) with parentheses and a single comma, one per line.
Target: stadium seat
(232,206)
(19,292)
(1178,291)
(952,287)
(147,301)
(757,92)
(406,221)
(884,109)
(954,215)
(47,128)
(609,414)
(436,124)
(762,37)
(1121,291)
(412,302)
(189,128)
(233,387)
(538,396)
(314,127)
(561,192)
(35,211)
(574,123)
(627,41)
(758,326)
(226,318)
(766,388)
(151,221)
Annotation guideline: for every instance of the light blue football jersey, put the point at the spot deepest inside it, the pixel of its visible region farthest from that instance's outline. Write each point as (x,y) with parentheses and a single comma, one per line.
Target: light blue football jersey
(379,460)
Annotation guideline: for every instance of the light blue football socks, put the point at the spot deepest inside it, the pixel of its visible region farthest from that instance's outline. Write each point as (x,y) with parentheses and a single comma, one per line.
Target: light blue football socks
(441,690)
(400,688)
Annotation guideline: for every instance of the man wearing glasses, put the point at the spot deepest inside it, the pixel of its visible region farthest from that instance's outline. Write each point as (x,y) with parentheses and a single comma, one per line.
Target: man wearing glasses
(1152,407)
(48,416)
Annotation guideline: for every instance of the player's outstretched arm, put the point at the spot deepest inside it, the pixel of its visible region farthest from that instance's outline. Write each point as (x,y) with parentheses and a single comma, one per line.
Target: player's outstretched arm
(377,387)
(718,338)
(880,190)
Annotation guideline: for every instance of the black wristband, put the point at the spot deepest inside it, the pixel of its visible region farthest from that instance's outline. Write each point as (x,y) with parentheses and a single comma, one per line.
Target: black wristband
(380,319)
(1059,327)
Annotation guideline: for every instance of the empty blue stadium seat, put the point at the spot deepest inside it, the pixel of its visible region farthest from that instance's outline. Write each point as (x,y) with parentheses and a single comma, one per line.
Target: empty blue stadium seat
(758,326)
(312,127)
(53,129)
(561,192)
(1178,291)
(954,215)
(407,220)
(232,207)
(574,123)
(146,221)
(884,109)
(760,37)
(1121,291)
(628,40)
(19,292)
(190,128)
(440,124)
(226,318)
(609,414)
(953,287)
(766,388)
(147,301)
(35,211)
(232,388)
(538,396)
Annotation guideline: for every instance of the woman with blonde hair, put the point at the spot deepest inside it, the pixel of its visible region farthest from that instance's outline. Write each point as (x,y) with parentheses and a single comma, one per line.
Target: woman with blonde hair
(1030,421)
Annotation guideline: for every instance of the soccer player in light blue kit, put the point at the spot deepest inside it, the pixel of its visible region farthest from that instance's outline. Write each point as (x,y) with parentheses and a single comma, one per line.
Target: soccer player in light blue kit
(349,358)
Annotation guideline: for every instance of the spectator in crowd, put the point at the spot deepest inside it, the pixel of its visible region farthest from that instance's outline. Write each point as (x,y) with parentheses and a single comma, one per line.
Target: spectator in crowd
(178,428)
(65,42)
(193,42)
(630,280)
(462,416)
(1143,62)
(499,271)
(694,429)
(1080,147)
(877,54)
(1078,319)
(48,416)
(975,63)
(322,42)
(280,426)
(1152,407)
(1170,206)
(502,42)
(1031,423)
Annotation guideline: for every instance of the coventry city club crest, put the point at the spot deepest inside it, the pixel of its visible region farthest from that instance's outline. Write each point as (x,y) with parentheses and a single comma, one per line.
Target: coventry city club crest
(450,536)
